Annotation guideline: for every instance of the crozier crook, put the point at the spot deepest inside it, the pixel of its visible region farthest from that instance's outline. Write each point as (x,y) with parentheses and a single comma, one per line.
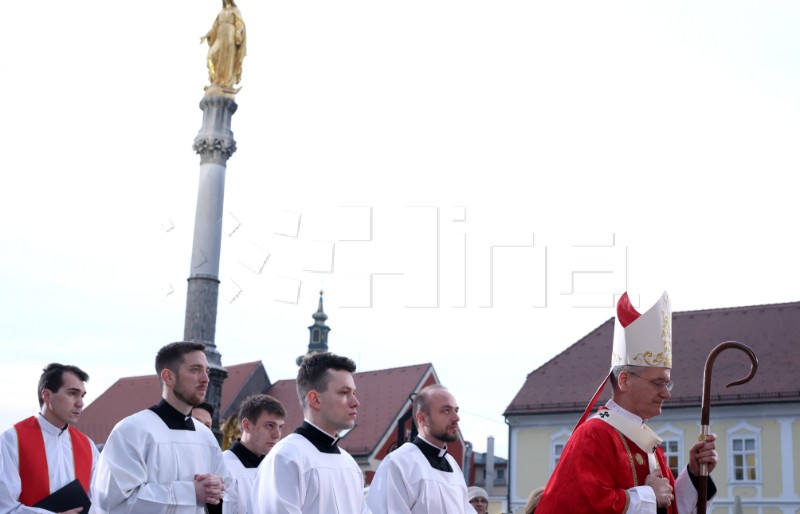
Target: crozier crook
(706,405)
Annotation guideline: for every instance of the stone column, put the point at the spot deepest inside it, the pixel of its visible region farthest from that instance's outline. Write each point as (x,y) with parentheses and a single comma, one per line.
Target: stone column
(215,144)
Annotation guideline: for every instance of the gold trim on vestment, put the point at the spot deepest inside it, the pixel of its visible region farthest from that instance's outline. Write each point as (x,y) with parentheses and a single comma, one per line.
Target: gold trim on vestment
(630,458)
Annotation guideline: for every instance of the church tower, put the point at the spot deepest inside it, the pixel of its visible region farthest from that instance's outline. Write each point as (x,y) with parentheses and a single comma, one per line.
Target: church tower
(318,333)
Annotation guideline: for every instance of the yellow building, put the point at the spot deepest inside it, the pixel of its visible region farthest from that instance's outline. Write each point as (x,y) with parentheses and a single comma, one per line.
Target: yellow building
(757,424)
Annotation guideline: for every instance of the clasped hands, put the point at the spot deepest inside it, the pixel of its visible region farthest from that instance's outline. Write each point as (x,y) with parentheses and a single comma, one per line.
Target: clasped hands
(209,488)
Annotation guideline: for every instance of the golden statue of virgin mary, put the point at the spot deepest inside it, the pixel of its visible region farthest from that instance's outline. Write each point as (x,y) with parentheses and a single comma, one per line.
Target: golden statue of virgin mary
(227,46)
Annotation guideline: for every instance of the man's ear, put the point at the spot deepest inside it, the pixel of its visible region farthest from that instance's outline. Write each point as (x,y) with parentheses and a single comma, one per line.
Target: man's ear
(46,395)
(622,380)
(419,417)
(312,399)
(166,377)
(245,425)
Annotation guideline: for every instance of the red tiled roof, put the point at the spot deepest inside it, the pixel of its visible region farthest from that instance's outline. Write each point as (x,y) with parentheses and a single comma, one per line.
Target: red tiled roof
(383,394)
(567,382)
(132,394)
(242,381)
(123,398)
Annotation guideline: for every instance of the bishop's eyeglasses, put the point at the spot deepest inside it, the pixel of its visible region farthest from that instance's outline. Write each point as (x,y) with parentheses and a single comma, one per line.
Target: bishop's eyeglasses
(660,384)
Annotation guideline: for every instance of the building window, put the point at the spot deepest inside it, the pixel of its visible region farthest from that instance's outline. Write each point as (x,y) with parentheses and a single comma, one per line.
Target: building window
(672,454)
(557,449)
(557,443)
(744,447)
(672,445)
(744,452)
(501,475)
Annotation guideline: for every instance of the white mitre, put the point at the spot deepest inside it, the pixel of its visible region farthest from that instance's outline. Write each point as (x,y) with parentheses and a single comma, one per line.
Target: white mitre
(643,339)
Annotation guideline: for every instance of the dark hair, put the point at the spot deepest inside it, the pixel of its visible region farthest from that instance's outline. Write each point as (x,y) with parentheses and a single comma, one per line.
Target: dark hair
(421,398)
(252,407)
(170,356)
(313,373)
(53,377)
(206,407)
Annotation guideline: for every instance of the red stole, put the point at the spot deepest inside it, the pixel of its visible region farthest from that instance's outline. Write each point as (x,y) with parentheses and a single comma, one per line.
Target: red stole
(34,474)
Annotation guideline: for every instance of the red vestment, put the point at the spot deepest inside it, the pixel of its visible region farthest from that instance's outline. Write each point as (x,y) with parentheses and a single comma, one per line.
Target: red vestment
(33,470)
(596,468)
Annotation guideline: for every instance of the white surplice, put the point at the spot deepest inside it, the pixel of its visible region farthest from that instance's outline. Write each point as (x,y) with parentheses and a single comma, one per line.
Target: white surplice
(406,483)
(242,479)
(296,478)
(146,468)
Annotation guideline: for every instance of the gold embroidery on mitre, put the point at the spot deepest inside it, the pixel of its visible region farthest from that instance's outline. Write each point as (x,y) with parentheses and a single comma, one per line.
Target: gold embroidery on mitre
(666,338)
(658,360)
(666,331)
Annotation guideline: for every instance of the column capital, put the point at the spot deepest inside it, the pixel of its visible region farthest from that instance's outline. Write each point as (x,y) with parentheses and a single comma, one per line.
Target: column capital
(215,150)
(215,142)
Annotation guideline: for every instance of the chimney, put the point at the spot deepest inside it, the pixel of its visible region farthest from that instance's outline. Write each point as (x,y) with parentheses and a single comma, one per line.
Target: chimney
(490,466)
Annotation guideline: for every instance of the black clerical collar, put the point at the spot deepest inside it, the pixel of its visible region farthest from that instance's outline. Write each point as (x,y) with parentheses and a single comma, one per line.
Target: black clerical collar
(321,441)
(436,456)
(246,457)
(171,417)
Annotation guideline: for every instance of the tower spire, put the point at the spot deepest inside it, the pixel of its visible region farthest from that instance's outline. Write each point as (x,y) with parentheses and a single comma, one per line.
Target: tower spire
(318,333)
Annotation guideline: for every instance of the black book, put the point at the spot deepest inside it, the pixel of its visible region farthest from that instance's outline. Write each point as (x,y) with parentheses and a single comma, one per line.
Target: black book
(68,497)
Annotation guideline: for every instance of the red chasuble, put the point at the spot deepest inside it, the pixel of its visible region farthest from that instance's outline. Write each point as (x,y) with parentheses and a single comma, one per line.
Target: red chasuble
(595,470)
(34,474)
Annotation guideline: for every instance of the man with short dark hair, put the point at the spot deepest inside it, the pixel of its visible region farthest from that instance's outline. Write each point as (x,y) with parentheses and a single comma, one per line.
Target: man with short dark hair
(307,472)
(204,413)
(41,454)
(420,477)
(160,459)
(261,422)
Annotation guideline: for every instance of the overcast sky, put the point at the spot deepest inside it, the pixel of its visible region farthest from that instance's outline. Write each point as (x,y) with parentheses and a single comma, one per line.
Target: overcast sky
(470,182)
